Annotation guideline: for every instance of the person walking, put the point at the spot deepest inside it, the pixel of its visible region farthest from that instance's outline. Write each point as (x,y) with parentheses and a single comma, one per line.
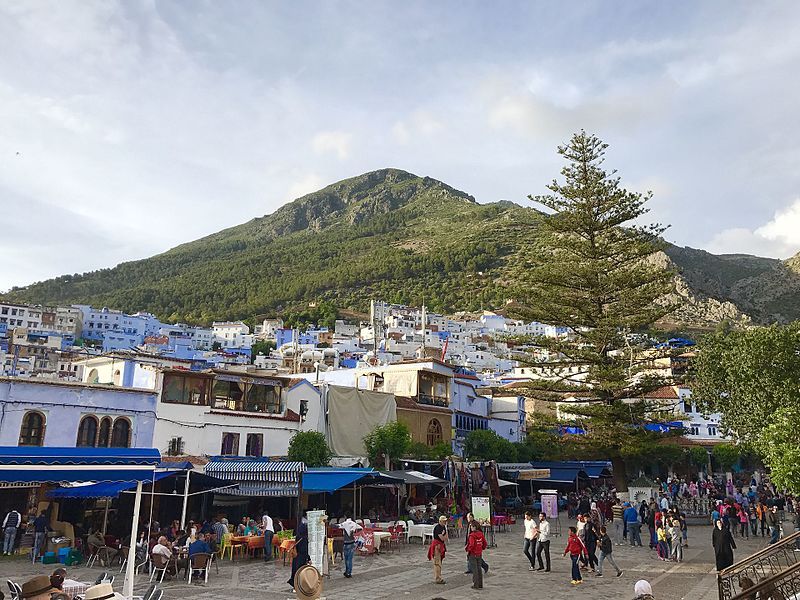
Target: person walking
(743,519)
(617,521)
(576,551)
(774,525)
(675,538)
(269,531)
(543,544)
(753,517)
(349,528)
(723,544)
(590,536)
(606,550)
(438,549)
(476,544)
(10,525)
(529,543)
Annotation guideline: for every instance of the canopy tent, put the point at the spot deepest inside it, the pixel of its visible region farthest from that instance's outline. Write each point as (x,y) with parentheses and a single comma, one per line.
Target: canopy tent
(55,465)
(330,479)
(416,478)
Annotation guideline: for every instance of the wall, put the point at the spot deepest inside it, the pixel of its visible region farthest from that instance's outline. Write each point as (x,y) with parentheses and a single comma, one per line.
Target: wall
(64,404)
(417,421)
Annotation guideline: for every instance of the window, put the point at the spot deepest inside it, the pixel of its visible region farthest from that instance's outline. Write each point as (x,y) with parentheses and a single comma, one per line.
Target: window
(263,398)
(228,394)
(255,444)
(5,310)
(121,435)
(434,432)
(185,389)
(105,433)
(32,431)
(695,429)
(87,432)
(712,430)
(230,444)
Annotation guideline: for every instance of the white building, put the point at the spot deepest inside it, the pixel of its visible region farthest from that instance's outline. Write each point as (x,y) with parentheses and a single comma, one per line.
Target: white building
(267,329)
(20,315)
(232,334)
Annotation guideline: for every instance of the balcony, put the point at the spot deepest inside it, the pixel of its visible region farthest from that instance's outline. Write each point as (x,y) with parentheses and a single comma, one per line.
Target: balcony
(430,400)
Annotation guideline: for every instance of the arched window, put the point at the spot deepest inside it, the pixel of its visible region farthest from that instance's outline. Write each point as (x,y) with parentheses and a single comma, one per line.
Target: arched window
(105,433)
(87,432)
(117,377)
(434,432)
(32,431)
(121,437)
(94,376)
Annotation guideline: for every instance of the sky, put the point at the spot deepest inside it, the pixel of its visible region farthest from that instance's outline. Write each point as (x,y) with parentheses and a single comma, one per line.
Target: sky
(129,127)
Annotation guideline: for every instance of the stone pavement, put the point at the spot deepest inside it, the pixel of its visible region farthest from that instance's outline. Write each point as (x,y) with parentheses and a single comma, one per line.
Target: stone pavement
(406,573)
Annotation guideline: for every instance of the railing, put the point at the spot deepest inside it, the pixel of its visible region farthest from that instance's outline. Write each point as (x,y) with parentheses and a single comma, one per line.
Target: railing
(432,400)
(775,567)
(695,507)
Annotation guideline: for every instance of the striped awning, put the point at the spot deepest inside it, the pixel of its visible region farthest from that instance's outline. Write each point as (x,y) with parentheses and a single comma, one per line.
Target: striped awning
(255,470)
(264,490)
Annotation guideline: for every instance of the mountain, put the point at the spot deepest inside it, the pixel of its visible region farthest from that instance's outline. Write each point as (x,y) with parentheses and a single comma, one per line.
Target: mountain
(393,235)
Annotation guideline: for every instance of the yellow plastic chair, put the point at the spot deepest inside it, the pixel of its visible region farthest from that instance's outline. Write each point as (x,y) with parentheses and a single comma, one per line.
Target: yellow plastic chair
(226,546)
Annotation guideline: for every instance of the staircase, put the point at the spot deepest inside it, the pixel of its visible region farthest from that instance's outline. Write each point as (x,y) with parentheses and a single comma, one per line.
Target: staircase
(775,570)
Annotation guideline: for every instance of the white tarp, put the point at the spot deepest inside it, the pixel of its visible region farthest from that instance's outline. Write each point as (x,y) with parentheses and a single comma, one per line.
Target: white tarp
(352,414)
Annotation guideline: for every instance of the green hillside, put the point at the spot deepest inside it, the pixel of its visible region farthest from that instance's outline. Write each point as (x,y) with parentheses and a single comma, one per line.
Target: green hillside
(386,234)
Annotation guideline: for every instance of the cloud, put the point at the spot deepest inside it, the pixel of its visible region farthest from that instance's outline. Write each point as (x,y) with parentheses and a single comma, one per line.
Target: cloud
(420,123)
(336,142)
(778,238)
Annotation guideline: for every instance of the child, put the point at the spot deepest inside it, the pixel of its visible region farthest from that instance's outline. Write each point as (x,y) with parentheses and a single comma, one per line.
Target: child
(743,522)
(476,544)
(675,538)
(606,550)
(577,550)
(662,547)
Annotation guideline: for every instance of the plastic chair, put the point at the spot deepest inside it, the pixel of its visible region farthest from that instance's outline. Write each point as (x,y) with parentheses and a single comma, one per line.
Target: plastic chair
(200,562)
(153,593)
(159,564)
(226,545)
(15,590)
(395,535)
(123,556)
(367,523)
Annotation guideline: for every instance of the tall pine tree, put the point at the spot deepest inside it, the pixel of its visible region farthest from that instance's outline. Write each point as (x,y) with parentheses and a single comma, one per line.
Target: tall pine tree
(591,270)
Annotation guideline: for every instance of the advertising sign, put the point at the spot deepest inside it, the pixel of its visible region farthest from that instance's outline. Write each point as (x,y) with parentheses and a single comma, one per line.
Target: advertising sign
(316,538)
(480,509)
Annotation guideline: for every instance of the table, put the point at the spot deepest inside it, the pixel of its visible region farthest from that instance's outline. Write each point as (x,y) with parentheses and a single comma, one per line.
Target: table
(285,546)
(420,531)
(72,587)
(379,536)
(500,521)
(384,524)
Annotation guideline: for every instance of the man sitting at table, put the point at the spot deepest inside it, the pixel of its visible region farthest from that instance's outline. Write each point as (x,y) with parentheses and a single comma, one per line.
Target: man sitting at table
(97,543)
(199,545)
(164,548)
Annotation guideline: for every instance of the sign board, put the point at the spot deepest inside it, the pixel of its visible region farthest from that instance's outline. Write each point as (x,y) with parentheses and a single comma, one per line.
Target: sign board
(550,505)
(528,474)
(480,509)
(317,532)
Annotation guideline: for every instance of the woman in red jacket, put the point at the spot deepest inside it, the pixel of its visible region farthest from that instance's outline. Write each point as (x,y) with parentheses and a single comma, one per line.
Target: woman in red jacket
(476,544)
(576,550)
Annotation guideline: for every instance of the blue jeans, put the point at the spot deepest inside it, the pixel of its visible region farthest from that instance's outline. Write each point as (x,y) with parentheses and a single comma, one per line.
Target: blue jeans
(11,537)
(268,545)
(38,541)
(775,535)
(634,533)
(576,571)
(349,550)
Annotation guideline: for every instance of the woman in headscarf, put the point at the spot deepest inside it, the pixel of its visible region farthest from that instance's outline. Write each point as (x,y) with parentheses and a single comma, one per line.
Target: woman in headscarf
(596,516)
(642,591)
(301,557)
(723,545)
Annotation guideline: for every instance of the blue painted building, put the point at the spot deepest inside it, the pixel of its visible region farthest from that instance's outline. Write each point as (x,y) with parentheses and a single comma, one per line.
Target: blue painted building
(53,413)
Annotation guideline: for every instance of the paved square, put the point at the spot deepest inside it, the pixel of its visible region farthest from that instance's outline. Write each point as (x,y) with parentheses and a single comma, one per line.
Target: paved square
(406,573)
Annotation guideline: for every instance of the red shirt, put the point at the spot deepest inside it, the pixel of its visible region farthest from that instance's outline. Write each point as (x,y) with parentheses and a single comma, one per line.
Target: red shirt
(575,546)
(476,543)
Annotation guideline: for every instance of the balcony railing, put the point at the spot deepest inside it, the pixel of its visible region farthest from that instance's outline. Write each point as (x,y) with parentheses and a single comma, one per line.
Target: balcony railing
(774,569)
(433,400)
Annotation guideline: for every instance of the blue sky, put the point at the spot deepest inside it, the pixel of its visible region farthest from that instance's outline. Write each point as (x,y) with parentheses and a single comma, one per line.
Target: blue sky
(127,128)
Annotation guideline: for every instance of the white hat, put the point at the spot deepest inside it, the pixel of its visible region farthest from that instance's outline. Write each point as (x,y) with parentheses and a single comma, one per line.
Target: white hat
(307,583)
(101,591)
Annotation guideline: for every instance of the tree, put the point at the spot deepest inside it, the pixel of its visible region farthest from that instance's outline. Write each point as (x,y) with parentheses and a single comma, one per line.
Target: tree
(389,442)
(591,270)
(747,376)
(725,455)
(781,449)
(262,347)
(484,444)
(310,448)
